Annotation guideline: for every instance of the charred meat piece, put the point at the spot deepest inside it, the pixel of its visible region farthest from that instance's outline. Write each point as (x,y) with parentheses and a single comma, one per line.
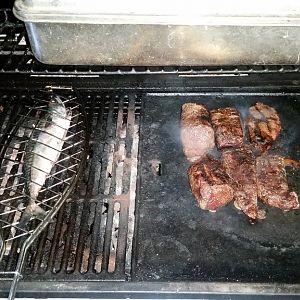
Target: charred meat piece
(228,127)
(263,125)
(210,184)
(197,134)
(272,182)
(239,164)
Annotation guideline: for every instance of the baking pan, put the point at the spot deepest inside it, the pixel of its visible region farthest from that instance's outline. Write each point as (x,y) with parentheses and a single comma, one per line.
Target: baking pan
(162,33)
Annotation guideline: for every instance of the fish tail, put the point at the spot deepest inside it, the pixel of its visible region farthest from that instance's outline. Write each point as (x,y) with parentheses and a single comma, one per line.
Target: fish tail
(31,210)
(37,211)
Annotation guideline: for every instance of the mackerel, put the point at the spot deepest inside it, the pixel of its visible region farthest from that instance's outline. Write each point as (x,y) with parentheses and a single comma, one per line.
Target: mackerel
(42,153)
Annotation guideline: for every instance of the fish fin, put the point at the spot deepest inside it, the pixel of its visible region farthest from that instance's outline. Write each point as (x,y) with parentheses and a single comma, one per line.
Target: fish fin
(48,123)
(24,220)
(19,140)
(39,213)
(32,210)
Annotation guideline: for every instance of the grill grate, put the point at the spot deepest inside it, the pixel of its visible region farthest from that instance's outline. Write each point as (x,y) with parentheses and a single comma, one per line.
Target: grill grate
(91,237)
(17,131)
(16,57)
(17,128)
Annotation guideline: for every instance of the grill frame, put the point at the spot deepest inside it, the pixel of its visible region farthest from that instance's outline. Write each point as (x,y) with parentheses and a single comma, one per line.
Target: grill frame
(240,80)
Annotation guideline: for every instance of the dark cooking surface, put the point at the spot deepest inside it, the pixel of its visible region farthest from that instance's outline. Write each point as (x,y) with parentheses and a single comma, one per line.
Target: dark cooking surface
(176,239)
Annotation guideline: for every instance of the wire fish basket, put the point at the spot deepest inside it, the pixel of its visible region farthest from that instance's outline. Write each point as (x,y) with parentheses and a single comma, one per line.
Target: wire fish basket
(18,129)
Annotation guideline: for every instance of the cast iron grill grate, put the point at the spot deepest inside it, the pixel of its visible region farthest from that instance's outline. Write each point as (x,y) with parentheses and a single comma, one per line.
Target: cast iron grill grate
(91,236)
(16,57)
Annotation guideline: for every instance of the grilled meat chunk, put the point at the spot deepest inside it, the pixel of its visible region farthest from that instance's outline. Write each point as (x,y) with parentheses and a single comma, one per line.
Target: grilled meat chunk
(228,127)
(272,183)
(264,126)
(239,164)
(210,184)
(197,134)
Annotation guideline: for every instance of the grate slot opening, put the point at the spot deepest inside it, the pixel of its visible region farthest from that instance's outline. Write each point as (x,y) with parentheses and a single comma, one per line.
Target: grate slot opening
(114,238)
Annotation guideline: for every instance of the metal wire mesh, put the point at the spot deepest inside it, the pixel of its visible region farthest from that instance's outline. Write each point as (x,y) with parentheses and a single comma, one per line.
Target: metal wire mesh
(15,135)
(91,237)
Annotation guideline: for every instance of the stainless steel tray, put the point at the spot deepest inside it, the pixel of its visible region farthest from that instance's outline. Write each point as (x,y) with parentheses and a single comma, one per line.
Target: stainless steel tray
(169,33)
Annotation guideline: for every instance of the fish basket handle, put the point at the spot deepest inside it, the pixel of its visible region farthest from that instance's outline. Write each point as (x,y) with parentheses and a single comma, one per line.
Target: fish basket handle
(2,246)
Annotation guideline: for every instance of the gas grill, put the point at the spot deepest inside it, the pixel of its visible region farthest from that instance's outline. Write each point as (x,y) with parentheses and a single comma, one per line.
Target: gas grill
(131,227)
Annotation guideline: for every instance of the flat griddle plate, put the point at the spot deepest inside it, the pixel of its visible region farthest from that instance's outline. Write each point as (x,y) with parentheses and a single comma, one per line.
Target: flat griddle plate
(176,240)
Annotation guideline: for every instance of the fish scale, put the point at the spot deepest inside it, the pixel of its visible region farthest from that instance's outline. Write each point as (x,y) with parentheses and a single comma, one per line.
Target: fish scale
(30,153)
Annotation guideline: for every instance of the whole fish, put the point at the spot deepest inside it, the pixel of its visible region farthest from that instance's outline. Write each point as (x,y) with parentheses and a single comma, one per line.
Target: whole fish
(42,152)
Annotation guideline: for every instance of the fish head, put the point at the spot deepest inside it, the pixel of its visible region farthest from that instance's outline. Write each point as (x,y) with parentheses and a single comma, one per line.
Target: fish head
(56,106)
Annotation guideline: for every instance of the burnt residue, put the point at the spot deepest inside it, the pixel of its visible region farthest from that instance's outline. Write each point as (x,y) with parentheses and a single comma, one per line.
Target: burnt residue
(156,167)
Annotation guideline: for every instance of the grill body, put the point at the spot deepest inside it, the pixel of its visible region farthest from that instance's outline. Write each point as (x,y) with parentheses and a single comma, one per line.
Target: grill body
(126,232)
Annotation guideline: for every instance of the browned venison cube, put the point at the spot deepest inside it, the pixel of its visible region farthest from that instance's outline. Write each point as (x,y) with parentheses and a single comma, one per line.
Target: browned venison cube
(197,134)
(210,184)
(228,128)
